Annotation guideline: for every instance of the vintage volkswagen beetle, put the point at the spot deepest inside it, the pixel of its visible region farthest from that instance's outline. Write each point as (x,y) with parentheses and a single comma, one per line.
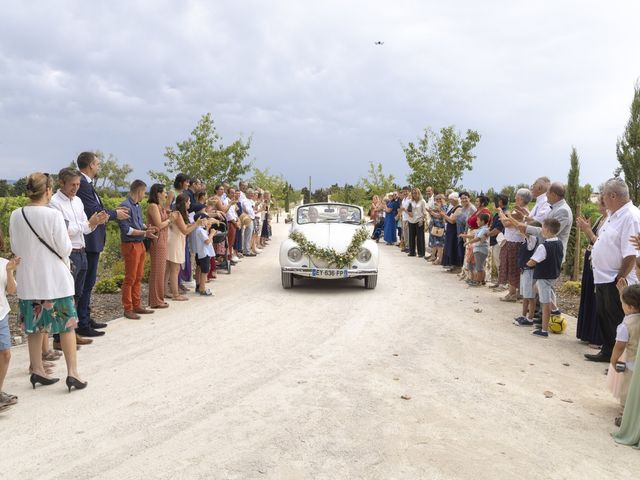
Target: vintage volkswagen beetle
(328,226)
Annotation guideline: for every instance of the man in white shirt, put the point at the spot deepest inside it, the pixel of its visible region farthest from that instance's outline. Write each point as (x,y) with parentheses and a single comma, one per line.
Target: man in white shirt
(72,209)
(613,259)
(542,207)
(232,222)
(404,205)
(242,186)
(247,232)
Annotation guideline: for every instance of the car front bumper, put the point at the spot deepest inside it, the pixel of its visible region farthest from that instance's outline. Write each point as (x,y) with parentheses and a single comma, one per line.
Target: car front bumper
(329,273)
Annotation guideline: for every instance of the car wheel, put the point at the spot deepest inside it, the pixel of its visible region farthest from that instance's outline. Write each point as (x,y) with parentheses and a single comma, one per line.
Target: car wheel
(287,280)
(370,282)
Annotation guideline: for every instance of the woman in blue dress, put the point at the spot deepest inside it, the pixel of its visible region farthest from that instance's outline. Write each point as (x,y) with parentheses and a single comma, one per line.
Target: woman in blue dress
(450,258)
(391,210)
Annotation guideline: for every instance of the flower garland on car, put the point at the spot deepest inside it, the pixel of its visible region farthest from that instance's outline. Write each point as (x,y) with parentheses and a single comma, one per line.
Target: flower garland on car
(329,255)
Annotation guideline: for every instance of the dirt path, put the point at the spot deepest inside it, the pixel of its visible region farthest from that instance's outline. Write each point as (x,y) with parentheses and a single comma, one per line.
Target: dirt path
(259,382)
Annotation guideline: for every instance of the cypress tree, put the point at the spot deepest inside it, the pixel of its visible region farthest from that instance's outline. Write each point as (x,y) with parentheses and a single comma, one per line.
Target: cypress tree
(573,198)
(628,149)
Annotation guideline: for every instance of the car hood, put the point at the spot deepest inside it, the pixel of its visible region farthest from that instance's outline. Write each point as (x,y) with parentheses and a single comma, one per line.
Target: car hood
(329,235)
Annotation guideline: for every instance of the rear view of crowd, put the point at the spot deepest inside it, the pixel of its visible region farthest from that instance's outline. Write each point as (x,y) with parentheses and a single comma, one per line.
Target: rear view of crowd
(57,239)
(522,248)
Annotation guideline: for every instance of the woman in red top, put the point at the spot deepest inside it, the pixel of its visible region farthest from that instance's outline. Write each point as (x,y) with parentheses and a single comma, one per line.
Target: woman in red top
(481,207)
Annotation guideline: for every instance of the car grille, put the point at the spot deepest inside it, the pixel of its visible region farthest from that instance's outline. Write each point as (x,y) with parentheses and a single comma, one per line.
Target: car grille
(320,263)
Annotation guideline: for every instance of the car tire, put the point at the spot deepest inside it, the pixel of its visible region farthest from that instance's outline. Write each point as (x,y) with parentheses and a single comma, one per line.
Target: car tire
(370,282)
(287,280)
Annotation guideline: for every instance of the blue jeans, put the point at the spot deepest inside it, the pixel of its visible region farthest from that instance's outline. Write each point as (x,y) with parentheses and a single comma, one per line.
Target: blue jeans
(88,282)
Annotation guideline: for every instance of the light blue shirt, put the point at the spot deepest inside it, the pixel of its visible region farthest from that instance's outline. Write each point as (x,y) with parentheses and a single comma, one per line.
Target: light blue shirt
(197,240)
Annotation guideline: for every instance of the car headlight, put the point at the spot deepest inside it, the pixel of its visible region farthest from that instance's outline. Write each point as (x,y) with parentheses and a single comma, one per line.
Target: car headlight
(364,255)
(294,254)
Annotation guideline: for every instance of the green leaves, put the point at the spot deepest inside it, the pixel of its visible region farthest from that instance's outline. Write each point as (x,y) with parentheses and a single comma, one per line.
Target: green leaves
(628,149)
(376,182)
(329,255)
(203,155)
(440,159)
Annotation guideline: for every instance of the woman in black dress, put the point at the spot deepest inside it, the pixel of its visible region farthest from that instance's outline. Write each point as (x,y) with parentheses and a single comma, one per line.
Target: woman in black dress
(450,257)
(587,329)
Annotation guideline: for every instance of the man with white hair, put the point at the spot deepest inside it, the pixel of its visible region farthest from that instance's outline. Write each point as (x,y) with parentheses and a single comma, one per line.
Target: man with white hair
(541,209)
(613,259)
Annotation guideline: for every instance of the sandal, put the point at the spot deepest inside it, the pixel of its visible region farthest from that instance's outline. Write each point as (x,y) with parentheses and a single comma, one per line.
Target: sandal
(618,421)
(180,298)
(8,399)
(51,355)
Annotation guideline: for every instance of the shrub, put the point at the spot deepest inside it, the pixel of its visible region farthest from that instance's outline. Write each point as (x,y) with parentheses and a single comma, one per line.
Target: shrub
(571,288)
(109,284)
(147,268)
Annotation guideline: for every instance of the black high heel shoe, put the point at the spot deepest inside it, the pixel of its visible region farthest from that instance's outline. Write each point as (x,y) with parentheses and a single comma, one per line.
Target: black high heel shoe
(35,378)
(75,383)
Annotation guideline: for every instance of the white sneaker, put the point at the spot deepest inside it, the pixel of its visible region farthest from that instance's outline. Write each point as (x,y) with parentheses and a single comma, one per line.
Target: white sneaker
(235,258)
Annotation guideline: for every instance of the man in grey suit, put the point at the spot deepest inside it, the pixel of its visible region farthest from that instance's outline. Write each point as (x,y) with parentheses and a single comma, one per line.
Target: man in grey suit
(560,210)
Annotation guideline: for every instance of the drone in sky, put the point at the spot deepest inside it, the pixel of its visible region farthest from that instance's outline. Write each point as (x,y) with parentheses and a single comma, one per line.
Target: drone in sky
(378,43)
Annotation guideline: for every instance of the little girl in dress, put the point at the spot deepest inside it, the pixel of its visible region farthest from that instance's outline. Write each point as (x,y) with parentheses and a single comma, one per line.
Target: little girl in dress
(626,346)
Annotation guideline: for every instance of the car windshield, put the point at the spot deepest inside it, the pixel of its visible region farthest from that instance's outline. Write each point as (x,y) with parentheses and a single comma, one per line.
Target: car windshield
(329,213)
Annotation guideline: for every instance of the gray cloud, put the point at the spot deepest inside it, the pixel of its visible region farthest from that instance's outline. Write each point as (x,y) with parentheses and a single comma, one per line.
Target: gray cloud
(310,86)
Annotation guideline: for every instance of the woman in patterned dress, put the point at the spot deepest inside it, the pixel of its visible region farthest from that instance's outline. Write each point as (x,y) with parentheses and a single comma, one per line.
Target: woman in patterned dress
(158,217)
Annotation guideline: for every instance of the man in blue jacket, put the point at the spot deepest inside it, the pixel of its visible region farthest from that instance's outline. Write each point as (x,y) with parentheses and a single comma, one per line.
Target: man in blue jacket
(89,165)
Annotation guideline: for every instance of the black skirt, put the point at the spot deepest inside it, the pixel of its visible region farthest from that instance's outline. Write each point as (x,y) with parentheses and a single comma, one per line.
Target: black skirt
(587,329)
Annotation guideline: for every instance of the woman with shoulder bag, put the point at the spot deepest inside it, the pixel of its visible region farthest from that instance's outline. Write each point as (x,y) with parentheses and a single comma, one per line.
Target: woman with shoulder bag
(436,230)
(45,284)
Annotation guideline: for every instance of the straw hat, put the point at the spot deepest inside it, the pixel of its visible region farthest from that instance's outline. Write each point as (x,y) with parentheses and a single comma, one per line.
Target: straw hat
(244,220)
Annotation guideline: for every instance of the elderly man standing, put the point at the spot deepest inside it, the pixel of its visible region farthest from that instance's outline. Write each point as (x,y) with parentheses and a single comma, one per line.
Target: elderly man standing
(558,209)
(541,209)
(613,258)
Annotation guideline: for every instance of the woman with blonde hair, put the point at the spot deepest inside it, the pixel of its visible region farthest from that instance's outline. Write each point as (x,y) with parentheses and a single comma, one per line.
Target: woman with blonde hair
(437,229)
(45,283)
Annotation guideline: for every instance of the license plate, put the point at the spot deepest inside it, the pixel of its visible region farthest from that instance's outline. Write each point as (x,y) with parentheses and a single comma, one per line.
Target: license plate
(329,273)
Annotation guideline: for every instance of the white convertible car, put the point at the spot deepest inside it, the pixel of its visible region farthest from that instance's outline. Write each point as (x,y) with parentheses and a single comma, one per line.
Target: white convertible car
(329,241)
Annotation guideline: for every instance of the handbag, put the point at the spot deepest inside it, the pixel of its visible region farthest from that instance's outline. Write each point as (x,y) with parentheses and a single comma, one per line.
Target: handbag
(437,231)
(71,265)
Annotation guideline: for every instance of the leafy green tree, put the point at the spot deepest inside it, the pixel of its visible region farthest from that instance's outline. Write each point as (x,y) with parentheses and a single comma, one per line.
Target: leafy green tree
(628,149)
(5,188)
(585,193)
(20,187)
(203,155)
(573,196)
(112,178)
(320,195)
(306,195)
(376,182)
(275,184)
(440,159)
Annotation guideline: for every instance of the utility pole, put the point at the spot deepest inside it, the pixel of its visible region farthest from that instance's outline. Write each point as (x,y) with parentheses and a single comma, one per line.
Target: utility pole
(309,187)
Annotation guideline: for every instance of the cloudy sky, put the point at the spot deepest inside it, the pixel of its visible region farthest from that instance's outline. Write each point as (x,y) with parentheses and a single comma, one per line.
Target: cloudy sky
(308,84)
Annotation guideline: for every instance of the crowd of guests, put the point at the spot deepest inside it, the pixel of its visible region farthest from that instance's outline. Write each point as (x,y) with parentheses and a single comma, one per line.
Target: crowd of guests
(522,248)
(57,239)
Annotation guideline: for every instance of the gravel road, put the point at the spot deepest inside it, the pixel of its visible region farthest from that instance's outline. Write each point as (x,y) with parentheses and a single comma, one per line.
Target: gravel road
(263,383)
